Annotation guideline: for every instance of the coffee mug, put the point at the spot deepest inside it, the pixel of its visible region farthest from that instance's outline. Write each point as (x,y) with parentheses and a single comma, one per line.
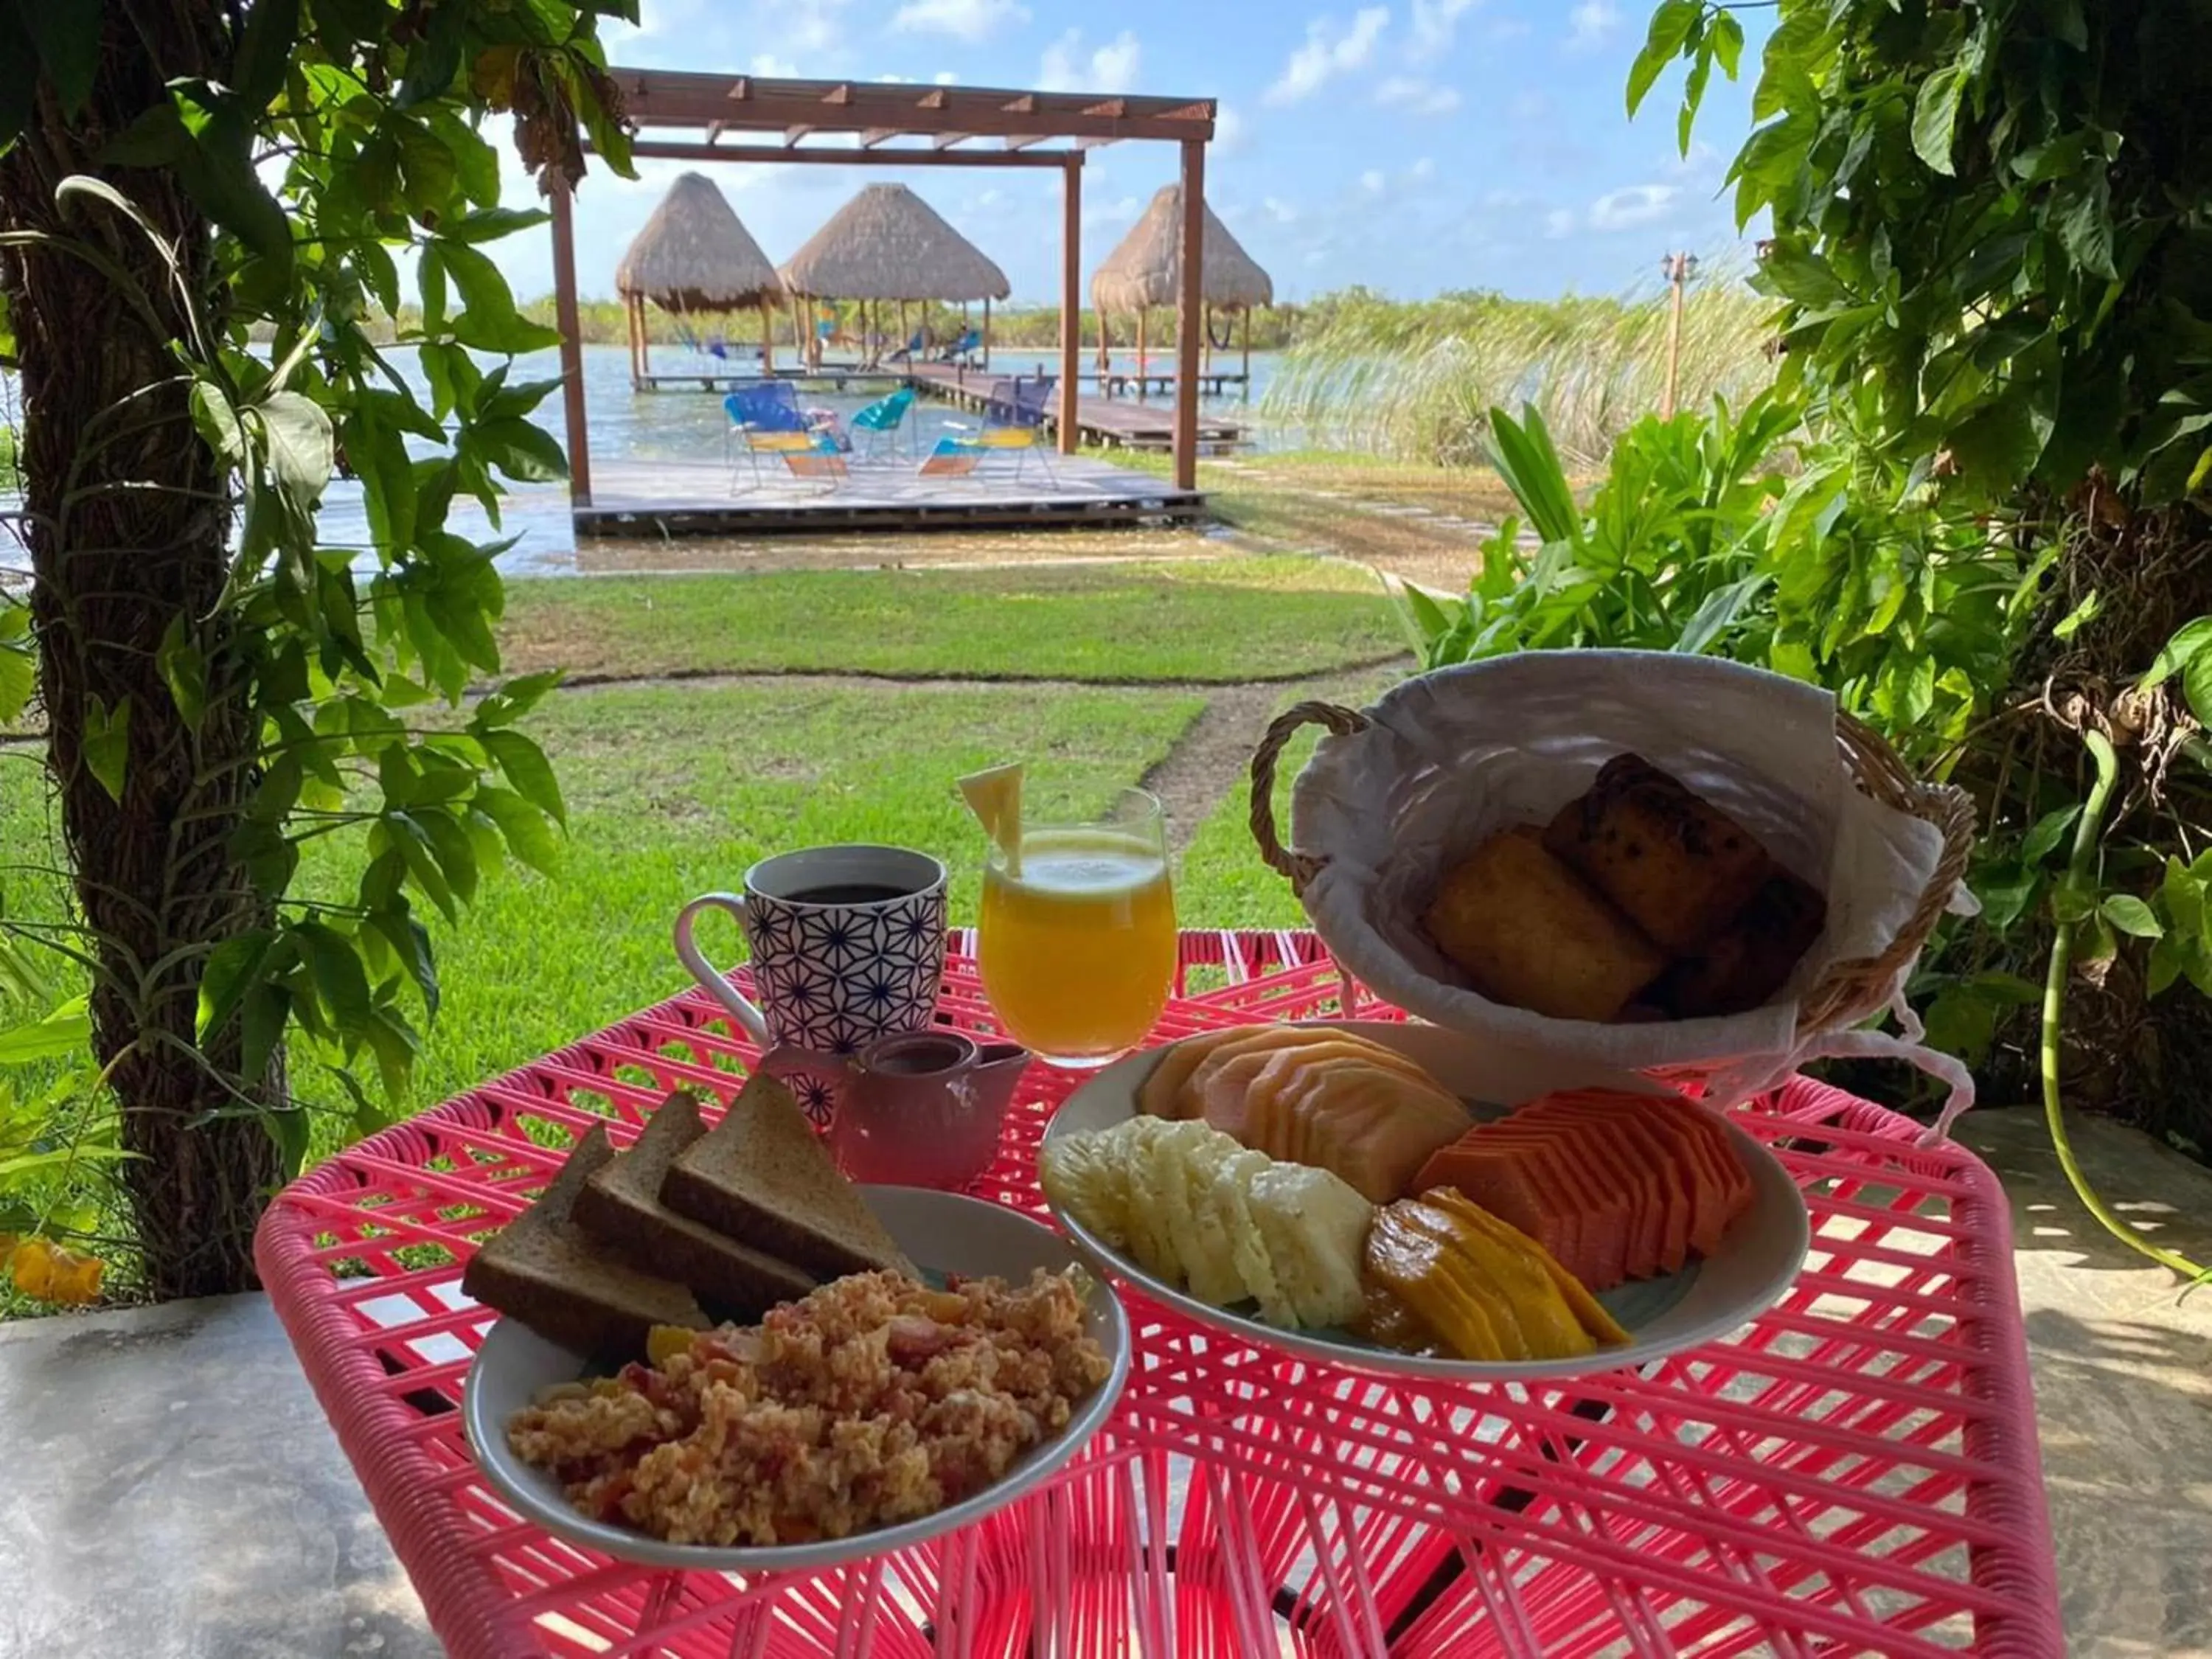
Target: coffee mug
(848,945)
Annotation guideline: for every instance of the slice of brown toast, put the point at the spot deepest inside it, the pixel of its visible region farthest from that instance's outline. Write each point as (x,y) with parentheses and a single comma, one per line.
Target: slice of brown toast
(543,1270)
(762,1175)
(621,1204)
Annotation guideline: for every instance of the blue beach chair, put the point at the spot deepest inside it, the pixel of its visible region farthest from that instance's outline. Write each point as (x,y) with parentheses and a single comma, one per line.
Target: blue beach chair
(881,422)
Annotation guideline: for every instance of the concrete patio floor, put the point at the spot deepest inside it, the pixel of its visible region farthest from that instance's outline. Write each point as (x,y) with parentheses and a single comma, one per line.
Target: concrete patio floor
(171,1489)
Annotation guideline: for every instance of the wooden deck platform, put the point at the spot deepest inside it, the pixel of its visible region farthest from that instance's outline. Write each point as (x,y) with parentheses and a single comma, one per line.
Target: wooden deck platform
(1111,422)
(697,498)
(722,378)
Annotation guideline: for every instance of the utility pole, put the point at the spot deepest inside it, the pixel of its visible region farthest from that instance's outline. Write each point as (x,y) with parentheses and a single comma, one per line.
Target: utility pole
(1678,268)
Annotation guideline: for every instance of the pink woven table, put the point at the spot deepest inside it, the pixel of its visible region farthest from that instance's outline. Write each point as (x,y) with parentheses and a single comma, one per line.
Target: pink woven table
(1855,1472)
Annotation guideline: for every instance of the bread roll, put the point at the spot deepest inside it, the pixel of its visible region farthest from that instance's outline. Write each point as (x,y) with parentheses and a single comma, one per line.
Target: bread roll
(1677,866)
(1743,967)
(1528,931)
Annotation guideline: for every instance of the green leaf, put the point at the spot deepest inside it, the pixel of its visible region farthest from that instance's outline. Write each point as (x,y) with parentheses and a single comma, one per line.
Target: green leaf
(67,35)
(527,453)
(410,941)
(19,84)
(263,1012)
(2166,964)
(334,962)
(301,448)
(63,1030)
(290,1129)
(1998,447)
(2071,904)
(2188,640)
(232,968)
(2197,685)
(217,421)
(2047,832)
(1797,274)
(18,673)
(528,770)
(528,830)
(2085,230)
(450,845)
(107,743)
(488,321)
(1726,35)
(264,51)
(2131,916)
(489,224)
(2182,892)
(1936,117)
(183,670)
(1718,613)
(1670,27)
(434,59)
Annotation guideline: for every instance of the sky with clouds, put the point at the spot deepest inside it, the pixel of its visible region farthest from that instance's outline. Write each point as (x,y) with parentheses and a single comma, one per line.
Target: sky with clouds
(1414,147)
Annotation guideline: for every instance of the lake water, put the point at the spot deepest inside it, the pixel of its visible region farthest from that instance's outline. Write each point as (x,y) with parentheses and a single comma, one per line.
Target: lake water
(669,425)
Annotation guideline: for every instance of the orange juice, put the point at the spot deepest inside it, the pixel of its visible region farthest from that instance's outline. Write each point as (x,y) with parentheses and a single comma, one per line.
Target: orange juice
(1078,952)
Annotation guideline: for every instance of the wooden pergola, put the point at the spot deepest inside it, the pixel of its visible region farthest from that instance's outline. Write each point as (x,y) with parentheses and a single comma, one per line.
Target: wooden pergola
(743,118)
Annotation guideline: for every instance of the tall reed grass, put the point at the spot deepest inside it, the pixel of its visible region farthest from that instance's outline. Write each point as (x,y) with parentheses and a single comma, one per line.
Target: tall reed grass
(1417,380)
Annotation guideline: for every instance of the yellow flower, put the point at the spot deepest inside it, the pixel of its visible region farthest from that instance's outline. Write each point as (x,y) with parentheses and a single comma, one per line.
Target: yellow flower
(45,1270)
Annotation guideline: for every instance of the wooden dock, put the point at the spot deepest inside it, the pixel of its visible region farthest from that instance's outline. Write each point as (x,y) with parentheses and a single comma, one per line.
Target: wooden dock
(1110,422)
(720,378)
(700,498)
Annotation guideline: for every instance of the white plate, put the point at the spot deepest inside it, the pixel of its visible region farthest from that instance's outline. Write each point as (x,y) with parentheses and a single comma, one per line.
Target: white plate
(1757,1261)
(945,1233)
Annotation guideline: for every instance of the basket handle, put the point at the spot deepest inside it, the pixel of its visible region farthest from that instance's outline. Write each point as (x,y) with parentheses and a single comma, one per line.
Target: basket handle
(1298,868)
(1850,990)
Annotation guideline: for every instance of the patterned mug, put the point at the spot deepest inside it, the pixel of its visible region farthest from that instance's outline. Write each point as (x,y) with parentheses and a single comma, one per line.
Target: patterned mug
(848,945)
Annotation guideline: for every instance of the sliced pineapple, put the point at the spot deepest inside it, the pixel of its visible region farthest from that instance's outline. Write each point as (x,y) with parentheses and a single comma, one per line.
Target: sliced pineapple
(994,796)
(1315,1226)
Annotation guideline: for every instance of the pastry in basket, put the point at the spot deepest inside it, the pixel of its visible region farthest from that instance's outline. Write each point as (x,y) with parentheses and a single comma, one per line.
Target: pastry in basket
(1677,866)
(1743,966)
(1529,932)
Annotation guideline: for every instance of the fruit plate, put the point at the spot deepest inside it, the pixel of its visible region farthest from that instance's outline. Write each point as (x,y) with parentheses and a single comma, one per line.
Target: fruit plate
(945,1234)
(1758,1259)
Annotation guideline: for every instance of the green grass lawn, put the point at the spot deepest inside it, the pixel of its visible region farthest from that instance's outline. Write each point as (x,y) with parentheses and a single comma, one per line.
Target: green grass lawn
(1221,620)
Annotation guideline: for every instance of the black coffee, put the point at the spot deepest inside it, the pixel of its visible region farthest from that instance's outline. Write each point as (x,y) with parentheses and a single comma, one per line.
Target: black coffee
(846,892)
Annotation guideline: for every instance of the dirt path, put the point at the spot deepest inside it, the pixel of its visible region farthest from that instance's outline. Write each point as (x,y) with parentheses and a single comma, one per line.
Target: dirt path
(1210,756)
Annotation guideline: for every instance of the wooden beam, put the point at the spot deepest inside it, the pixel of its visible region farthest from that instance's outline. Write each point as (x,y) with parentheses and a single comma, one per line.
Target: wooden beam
(839,95)
(572,343)
(668,149)
(1071,306)
(669,99)
(946,140)
(875,135)
(793,135)
(715,130)
(1190,314)
(740,90)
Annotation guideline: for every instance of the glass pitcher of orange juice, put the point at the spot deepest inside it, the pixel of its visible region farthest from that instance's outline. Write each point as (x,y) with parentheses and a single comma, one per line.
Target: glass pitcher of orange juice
(1076,940)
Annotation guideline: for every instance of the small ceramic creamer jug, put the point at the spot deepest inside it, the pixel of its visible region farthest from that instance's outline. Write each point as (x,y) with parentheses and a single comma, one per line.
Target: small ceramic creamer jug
(919,1109)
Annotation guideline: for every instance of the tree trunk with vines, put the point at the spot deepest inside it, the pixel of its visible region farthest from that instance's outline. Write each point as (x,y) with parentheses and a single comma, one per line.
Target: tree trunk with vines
(128,519)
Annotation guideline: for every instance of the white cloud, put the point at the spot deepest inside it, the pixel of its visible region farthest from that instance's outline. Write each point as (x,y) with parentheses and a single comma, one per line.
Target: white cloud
(1633,207)
(946,78)
(1434,20)
(964,20)
(1329,52)
(1417,96)
(813,28)
(1591,24)
(1230,129)
(1372,181)
(769,65)
(1282,212)
(1120,212)
(1557,223)
(1424,168)
(1111,68)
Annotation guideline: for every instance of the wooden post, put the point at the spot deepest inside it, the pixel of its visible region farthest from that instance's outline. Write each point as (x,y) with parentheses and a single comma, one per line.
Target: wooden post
(1142,361)
(644,339)
(571,345)
(1190,313)
(905,339)
(1209,340)
(1105,346)
(768,338)
(1248,353)
(1071,305)
(630,330)
(1678,267)
(987,334)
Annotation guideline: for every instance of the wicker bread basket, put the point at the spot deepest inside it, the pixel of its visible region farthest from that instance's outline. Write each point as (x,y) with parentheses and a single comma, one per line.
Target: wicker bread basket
(1840,994)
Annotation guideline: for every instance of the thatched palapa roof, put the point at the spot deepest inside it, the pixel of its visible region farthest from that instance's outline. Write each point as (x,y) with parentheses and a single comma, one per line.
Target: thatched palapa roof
(1145,269)
(889,244)
(694,254)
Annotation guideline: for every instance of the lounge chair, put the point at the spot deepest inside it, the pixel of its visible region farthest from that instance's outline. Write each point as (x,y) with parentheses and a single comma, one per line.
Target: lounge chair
(965,346)
(914,343)
(951,458)
(758,416)
(1014,424)
(818,457)
(881,422)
